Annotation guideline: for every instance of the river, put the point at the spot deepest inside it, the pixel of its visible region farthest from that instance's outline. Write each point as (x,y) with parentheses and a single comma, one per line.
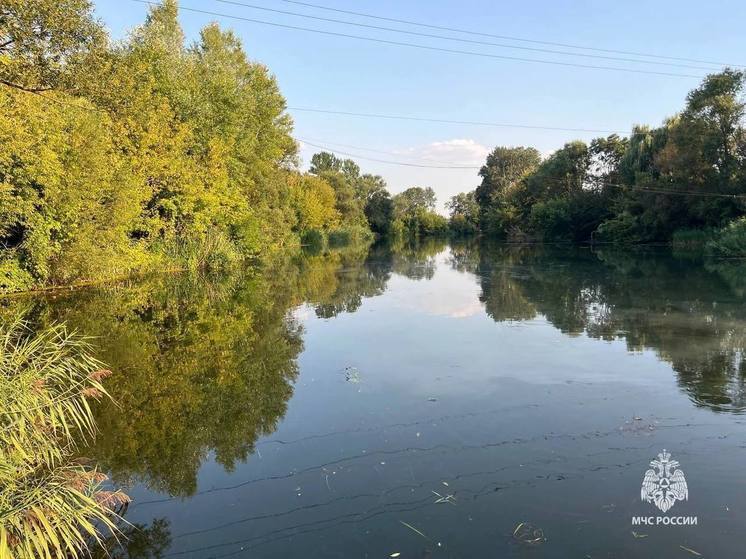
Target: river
(463,400)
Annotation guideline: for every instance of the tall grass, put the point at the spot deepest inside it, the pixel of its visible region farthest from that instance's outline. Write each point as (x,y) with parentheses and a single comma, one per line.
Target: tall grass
(50,504)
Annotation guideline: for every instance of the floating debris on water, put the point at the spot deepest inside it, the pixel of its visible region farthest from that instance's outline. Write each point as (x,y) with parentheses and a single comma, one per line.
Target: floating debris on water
(415,530)
(451,498)
(529,534)
(352,375)
(637,426)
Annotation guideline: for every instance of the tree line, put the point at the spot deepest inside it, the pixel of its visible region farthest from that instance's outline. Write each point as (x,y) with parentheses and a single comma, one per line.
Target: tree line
(151,153)
(683,181)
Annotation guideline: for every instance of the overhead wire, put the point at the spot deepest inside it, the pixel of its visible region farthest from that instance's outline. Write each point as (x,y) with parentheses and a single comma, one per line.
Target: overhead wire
(506,37)
(663,190)
(457,39)
(427,47)
(449,121)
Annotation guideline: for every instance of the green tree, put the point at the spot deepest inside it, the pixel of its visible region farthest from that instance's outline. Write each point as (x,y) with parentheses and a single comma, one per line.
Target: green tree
(379,211)
(464,212)
(42,41)
(414,214)
(415,199)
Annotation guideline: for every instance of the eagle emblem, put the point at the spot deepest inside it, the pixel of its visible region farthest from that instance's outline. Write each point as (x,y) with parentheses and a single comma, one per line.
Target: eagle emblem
(664,483)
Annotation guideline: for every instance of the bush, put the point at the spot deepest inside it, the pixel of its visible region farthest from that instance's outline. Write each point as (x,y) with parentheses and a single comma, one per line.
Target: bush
(339,238)
(213,252)
(13,277)
(432,224)
(353,234)
(552,220)
(461,226)
(624,229)
(729,242)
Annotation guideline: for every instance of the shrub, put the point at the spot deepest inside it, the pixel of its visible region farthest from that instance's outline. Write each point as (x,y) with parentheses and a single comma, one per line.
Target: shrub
(461,226)
(13,277)
(339,238)
(730,242)
(432,224)
(353,234)
(623,228)
(552,219)
(212,252)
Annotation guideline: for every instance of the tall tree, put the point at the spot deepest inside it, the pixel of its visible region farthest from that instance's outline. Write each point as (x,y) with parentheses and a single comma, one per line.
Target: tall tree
(42,40)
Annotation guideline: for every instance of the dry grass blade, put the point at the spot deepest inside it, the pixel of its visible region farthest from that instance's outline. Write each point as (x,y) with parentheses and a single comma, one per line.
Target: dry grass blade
(415,530)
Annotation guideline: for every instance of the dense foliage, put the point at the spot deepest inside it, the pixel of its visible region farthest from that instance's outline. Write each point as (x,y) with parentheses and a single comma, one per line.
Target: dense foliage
(414,214)
(689,173)
(152,154)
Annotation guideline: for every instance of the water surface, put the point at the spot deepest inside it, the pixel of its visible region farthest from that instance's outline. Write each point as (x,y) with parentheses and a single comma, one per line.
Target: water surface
(424,401)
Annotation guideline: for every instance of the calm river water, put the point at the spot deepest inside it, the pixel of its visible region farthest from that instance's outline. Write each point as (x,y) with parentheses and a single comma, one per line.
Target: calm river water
(459,401)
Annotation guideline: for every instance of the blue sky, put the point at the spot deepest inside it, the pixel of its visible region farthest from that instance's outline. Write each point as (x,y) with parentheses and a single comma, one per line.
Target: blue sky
(342,74)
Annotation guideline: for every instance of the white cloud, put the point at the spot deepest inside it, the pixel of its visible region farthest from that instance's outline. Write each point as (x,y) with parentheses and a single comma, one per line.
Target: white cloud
(457,151)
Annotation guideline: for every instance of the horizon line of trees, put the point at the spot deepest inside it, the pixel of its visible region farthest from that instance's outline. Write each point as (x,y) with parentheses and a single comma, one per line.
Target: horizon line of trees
(687,174)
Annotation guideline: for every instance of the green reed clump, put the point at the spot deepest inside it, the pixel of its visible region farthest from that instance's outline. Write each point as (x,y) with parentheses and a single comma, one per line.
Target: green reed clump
(50,504)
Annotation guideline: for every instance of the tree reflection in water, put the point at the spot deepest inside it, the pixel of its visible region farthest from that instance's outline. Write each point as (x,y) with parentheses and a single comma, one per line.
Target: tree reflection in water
(206,365)
(692,315)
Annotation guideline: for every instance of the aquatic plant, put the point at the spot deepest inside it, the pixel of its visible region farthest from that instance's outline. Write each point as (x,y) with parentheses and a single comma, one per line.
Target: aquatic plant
(51,505)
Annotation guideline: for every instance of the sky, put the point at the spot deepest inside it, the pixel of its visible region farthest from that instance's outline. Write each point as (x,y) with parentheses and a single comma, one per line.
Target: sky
(327,72)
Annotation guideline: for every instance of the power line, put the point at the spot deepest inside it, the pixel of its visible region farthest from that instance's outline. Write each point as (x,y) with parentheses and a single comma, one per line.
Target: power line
(664,190)
(49,99)
(427,47)
(653,190)
(447,121)
(507,37)
(388,162)
(470,41)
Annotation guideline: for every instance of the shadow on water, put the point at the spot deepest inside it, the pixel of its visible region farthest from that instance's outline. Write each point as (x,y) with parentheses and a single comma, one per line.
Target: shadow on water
(206,368)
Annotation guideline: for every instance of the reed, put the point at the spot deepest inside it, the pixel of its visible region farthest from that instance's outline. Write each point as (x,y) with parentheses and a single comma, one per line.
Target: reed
(51,505)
